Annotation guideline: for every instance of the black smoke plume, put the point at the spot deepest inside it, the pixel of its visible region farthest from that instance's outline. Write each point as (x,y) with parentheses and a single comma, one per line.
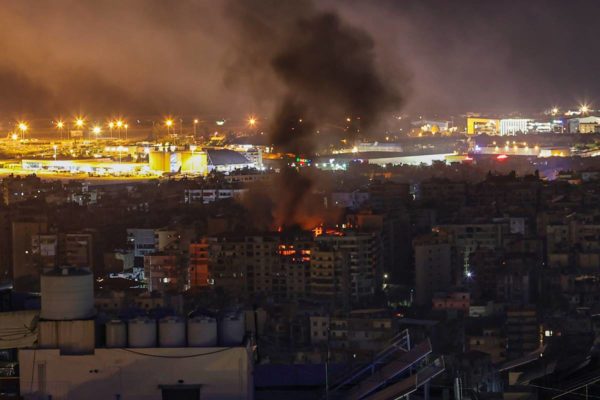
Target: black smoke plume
(322,73)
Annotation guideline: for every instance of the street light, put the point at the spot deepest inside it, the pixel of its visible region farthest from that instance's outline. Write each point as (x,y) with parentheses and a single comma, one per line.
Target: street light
(23,128)
(79,122)
(554,110)
(252,122)
(584,109)
(168,124)
(97,130)
(119,124)
(60,125)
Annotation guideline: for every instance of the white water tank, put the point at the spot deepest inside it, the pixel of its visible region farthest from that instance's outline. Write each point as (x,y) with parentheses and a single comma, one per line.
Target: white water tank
(232,328)
(67,294)
(171,332)
(116,334)
(142,332)
(202,332)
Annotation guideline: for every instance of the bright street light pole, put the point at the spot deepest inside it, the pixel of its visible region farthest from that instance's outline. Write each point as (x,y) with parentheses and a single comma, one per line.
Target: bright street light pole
(23,128)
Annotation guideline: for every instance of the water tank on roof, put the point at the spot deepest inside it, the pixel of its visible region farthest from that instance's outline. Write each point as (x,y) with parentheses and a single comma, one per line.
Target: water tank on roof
(116,334)
(232,328)
(202,332)
(171,332)
(142,332)
(67,294)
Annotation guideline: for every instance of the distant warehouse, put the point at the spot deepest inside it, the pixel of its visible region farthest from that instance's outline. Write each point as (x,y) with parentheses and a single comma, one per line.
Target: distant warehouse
(201,162)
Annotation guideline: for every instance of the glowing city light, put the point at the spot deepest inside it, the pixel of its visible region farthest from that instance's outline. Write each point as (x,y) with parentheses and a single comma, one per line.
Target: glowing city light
(23,127)
(111,125)
(97,130)
(60,124)
(169,122)
(80,122)
(119,123)
(584,108)
(252,121)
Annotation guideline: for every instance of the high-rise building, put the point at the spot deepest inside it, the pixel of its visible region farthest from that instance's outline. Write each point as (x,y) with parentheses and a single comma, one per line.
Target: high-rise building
(44,248)
(163,272)
(198,264)
(363,251)
(78,250)
(433,266)
(271,264)
(522,331)
(387,195)
(141,241)
(228,264)
(296,257)
(330,275)
(25,266)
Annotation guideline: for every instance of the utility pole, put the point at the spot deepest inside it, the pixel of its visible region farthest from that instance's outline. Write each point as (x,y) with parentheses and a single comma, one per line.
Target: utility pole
(328,355)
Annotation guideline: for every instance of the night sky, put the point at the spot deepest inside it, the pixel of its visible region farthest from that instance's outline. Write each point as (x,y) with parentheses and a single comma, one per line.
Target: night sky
(157,57)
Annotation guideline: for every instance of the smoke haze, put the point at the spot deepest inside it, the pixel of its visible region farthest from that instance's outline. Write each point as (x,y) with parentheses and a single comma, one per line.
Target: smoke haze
(152,56)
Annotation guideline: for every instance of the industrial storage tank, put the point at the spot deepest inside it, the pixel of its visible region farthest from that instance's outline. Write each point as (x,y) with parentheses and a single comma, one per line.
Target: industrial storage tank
(232,328)
(67,294)
(171,332)
(202,332)
(116,333)
(142,332)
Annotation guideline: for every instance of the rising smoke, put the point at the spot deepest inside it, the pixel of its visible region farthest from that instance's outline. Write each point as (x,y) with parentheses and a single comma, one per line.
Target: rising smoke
(327,74)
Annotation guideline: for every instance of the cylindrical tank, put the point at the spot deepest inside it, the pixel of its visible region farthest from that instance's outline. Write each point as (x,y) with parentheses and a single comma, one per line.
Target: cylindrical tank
(142,332)
(232,329)
(116,333)
(171,332)
(67,294)
(202,332)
